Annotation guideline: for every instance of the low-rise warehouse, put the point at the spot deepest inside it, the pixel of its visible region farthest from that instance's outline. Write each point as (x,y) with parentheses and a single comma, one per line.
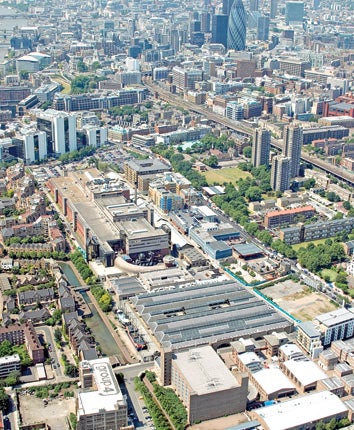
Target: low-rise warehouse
(305,374)
(272,384)
(302,412)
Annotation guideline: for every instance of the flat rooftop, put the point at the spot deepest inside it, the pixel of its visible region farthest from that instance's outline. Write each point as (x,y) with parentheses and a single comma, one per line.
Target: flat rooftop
(106,394)
(306,372)
(333,318)
(139,228)
(300,411)
(247,249)
(273,380)
(207,312)
(149,165)
(166,277)
(204,370)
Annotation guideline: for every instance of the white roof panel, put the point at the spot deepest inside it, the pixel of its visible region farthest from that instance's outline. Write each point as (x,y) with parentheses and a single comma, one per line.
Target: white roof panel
(302,410)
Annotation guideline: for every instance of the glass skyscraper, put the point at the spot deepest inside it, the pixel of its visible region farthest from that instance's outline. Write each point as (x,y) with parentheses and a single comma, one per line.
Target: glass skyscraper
(236,35)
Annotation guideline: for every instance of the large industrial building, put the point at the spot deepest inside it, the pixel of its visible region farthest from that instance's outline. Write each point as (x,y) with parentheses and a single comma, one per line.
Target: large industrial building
(100,404)
(209,312)
(104,219)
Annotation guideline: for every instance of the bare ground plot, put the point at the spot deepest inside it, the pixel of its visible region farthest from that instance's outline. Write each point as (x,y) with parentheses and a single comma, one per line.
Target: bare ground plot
(221,423)
(54,414)
(299,300)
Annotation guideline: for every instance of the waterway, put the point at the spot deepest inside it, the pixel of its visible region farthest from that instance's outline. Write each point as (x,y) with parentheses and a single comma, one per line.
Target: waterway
(9,22)
(102,335)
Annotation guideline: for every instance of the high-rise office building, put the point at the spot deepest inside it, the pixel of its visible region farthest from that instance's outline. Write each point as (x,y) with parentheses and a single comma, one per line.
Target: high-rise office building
(236,32)
(219,29)
(61,131)
(175,40)
(280,173)
(263,27)
(293,139)
(254,5)
(273,8)
(205,21)
(226,6)
(294,11)
(261,147)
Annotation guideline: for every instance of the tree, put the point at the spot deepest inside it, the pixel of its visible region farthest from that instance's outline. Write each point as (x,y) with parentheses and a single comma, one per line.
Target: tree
(254,194)
(81,66)
(341,278)
(5,348)
(309,183)
(211,161)
(12,379)
(4,400)
(95,65)
(247,151)
(333,197)
(70,370)
(105,302)
(265,237)
(58,335)
(347,206)
(252,228)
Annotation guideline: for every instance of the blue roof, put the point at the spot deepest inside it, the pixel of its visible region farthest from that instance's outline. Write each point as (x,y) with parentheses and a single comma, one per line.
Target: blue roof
(247,249)
(245,426)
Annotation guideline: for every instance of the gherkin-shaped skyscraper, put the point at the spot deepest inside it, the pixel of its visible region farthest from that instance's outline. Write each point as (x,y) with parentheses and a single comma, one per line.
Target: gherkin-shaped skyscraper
(236,34)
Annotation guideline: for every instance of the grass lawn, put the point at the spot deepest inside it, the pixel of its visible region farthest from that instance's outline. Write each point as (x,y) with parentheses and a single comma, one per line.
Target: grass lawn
(330,273)
(304,244)
(66,86)
(227,174)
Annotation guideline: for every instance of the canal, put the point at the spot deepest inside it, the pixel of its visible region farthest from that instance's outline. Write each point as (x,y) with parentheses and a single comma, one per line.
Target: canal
(102,335)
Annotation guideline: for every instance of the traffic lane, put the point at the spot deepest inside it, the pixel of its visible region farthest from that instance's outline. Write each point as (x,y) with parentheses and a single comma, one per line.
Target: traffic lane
(10,419)
(52,352)
(135,403)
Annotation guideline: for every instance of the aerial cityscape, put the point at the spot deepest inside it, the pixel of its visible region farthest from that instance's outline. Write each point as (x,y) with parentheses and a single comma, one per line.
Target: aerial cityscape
(177,215)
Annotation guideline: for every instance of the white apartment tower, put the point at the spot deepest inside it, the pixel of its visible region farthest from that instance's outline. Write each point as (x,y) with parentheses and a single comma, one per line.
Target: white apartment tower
(60,128)
(293,139)
(261,147)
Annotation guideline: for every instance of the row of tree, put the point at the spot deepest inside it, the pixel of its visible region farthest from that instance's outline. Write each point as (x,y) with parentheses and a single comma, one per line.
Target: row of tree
(77,155)
(104,299)
(158,417)
(82,267)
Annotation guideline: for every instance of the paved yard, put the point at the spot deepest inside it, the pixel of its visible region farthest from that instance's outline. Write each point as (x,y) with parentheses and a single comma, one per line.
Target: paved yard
(55,413)
(221,423)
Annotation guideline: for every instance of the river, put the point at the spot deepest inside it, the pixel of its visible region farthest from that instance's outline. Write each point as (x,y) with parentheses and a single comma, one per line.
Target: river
(102,335)
(9,22)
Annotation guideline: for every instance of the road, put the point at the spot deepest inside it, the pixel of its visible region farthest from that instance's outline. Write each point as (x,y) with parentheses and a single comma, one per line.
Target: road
(135,405)
(53,353)
(246,130)
(11,419)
